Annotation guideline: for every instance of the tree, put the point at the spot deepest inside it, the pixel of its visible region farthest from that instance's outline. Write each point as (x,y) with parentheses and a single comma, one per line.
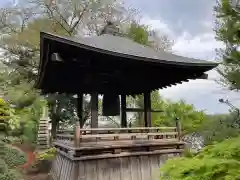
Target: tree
(218,128)
(218,161)
(21,26)
(191,119)
(228,31)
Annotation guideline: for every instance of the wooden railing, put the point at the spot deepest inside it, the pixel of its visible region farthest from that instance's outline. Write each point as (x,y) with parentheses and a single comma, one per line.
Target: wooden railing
(119,134)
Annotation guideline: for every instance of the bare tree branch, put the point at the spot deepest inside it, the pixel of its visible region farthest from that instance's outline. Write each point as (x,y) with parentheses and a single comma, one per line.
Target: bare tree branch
(51,15)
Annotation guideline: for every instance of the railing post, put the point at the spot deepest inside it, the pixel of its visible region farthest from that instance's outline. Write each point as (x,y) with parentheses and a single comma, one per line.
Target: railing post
(77,134)
(178,129)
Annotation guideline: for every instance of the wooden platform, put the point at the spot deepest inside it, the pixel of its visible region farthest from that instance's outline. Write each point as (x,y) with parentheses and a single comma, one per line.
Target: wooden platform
(110,153)
(140,167)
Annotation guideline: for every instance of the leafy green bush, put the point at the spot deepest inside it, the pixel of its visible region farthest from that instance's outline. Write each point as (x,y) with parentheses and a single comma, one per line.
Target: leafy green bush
(219,161)
(49,154)
(8,174)
(14,157)
(3,166)
(44,159)
(11,175)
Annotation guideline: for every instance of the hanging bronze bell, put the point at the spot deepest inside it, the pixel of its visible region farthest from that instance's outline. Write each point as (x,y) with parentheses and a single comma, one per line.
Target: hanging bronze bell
(111,105)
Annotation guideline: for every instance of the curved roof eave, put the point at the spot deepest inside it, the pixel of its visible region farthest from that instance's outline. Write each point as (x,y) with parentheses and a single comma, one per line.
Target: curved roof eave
(78,43)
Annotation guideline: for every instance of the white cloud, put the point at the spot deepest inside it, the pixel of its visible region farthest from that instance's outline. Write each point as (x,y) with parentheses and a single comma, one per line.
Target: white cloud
(204,94)
(200,46)
(159,25)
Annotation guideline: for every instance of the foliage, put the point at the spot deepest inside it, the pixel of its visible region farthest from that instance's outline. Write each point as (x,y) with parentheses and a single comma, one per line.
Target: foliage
(4,115)
(190,118)
(44,160)
(21,26)
(227,31)
(14,157)
(138,33)
(11,174)
(48,154)
(218,128)
(218,161)
(144,35)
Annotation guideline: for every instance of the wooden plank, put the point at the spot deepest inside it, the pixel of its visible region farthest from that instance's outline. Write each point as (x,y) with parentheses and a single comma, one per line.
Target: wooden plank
(72,171)
(153,160)
(82,170)
(55,167)
(135,168)
(125,168)
(118,144)
(59,166)
(120,135)
(114,167)
(142,110)
(68,170)
(103,169)
(133,128)
(145,168)
(91,170)
(63,169)
(126,154)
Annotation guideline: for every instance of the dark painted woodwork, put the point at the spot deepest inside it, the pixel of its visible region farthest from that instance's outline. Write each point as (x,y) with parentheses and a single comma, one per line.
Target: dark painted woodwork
(142,110)
(125,75)
(147,109)
(94,110)
(80,109)
(123,111)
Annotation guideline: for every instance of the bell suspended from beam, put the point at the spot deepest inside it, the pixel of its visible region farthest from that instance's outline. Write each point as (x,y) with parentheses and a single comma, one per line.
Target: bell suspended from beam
(111,105)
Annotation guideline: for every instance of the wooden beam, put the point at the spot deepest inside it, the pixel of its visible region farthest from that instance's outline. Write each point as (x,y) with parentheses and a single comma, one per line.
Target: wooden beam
(80,109)
(79,123)
(94,110)
(123,111)
(147,109)
(178,129)
(141,110)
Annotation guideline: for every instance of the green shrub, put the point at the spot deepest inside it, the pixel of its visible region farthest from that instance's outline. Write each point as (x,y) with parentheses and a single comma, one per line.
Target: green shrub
(215,162)
(11,175)
(48,154)
(3,166)
(14,157)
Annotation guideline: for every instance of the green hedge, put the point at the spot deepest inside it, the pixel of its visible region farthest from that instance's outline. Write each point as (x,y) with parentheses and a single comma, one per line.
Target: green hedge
(215,162)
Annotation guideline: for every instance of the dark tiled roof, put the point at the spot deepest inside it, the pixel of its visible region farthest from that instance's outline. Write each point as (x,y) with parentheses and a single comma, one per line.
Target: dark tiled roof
(125,47)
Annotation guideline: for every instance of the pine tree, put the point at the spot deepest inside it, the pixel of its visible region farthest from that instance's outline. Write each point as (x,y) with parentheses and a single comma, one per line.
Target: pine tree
(228,31)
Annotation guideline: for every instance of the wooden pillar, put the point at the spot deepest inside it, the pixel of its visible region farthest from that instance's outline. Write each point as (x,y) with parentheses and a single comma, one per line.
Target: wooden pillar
(147,109)
(79,123)
(178,129)
(123,111)
(80,109)
(94,110)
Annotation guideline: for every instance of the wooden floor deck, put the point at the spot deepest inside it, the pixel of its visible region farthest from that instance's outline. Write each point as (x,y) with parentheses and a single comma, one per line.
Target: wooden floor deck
(116,144)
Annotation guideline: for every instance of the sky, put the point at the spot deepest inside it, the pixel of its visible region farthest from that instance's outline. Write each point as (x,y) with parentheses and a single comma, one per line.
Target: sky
(190,24)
